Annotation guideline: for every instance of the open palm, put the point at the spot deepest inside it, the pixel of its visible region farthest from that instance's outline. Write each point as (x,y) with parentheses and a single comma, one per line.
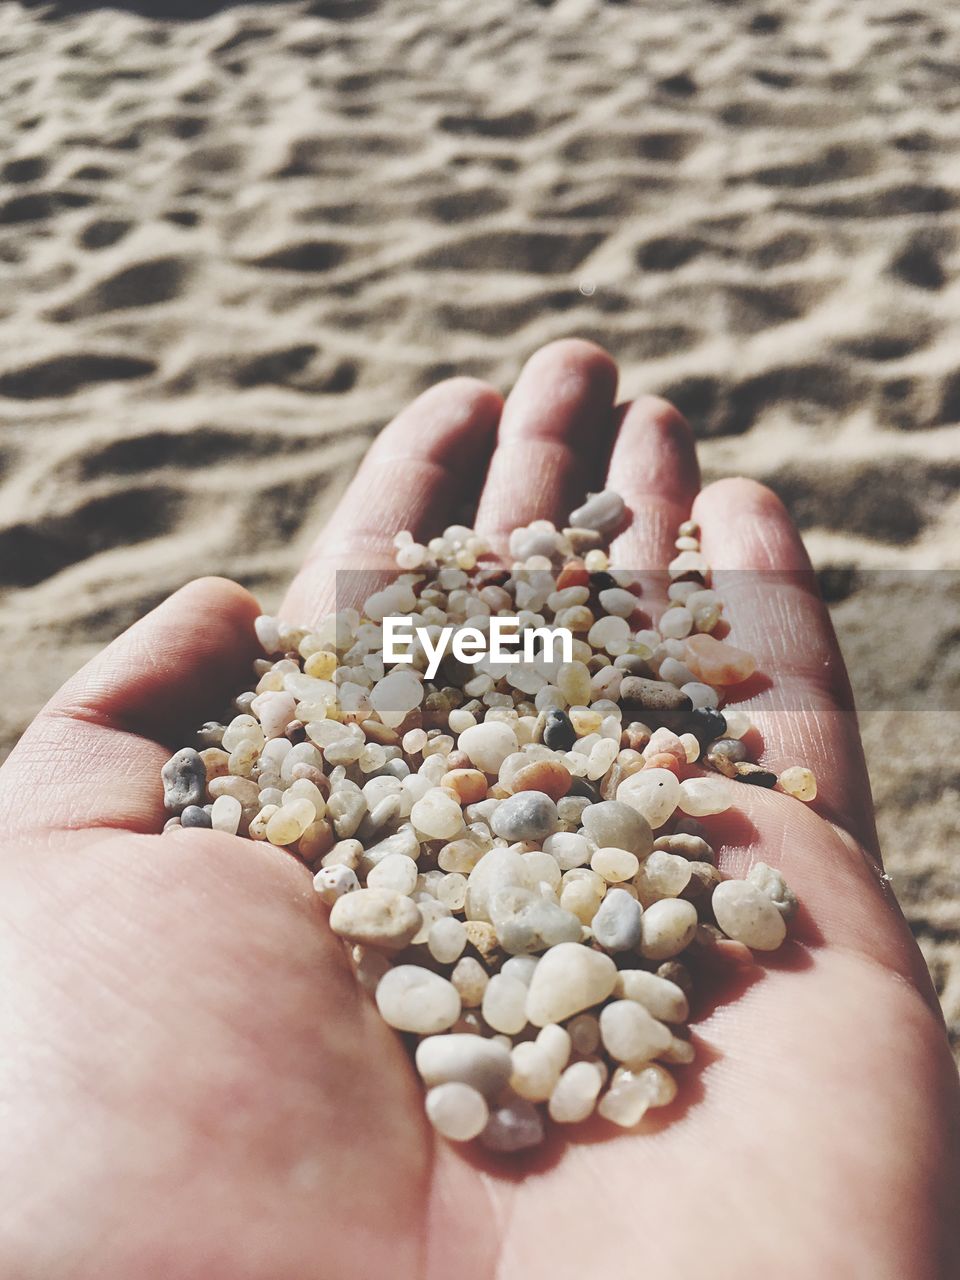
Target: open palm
(192,1085)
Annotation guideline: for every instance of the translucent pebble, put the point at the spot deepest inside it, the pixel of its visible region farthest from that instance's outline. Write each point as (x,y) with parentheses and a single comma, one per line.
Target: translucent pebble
(631,1034)
(654,793)
(607,630)
(602,512)
(747,915)
(555,1042)
(257,829)
(240,729)
(618,602)
(702,796)
(688,562)
(535,1071)
(665,742)
(498,869)
(616,924)
(346,809)
(800,782)
(676,673)
(395,696)
(396,872)
(321,665)
(573,681)
(771,882)
(632,1093)
(706,617)
(526,922)
(691,747)
(268,632)
(514,1125)
(437,816)
(446,940)
(663,875)
(716,662)
(274,711)
(455,1110)
(615,865)
(581,899)
(568,848)
(333,882)
(659,996)
(504,1004)
(613,823)
(585,720)
(452,891)
(414,741)
(484,1065)
(575,1093)
(666,928)
(226,814)
(290,822)
(602,756)
(521,967)
(411,998)
(584,1032)
(568,979)
(676,624)
(701,695)
(376,918)
(738,722)
(470,979)
(488,744)
(460,855)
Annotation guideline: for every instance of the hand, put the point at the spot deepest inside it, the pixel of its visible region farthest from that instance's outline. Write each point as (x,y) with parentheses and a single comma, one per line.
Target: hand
(192,1086)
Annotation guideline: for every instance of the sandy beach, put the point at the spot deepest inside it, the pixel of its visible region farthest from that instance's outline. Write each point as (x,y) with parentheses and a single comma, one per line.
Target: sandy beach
(232,247)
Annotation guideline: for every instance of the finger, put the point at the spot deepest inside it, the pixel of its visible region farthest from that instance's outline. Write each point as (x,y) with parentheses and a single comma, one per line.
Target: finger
(553,439)
(418,474)
(804,707)
(654,468)
(92,756)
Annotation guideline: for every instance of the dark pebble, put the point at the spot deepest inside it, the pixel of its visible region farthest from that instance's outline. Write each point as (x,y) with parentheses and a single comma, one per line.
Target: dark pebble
(295,731)
(210,735)
(632,663)
(756,775)
(704,878)
(706,723)
(678,973)
(558,733)
(722,763)
(655,695)
(194,816)
(583,787)
(184,779)
(601,581)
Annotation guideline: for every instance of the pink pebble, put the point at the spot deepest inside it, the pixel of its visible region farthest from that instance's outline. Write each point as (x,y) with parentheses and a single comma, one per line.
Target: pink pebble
(718,663)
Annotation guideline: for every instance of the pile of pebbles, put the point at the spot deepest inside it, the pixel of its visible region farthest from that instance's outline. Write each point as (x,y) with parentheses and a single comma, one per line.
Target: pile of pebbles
(513,853)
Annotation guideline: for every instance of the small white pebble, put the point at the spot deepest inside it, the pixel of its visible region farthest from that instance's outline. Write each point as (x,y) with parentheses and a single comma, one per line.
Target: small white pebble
(747,915)
(456,1111)
(447,939)
(575,1093)
(333,882)
(225,814)
(799,782)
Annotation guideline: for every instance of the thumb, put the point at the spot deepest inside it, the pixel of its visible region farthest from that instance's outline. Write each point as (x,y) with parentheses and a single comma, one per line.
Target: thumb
(91,757)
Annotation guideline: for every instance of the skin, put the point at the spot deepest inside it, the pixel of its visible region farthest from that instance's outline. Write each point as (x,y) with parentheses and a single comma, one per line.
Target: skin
(192,1086)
